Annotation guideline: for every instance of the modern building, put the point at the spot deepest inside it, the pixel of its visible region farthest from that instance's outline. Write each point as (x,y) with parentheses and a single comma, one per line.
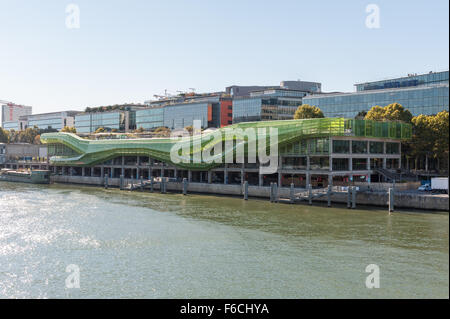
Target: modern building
(267,104)
(11,113)
(242,91)
(421,94)
(120,118)
(213,110)
(314,151)
(53,120)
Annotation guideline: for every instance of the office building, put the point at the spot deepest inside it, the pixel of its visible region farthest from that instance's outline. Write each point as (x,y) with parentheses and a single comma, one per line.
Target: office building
(421,94)
(11,113)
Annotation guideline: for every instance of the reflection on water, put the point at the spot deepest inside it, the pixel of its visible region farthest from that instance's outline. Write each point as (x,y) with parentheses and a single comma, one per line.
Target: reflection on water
(143,245)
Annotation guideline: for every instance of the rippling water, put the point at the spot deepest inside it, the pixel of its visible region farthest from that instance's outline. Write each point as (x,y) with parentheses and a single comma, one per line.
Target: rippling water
(143,245)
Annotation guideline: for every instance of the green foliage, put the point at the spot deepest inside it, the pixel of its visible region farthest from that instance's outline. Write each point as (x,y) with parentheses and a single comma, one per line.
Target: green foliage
(430,135)
(67,129)
(4,136)
(391,112)
(100,130)
(361,115)
(307,111)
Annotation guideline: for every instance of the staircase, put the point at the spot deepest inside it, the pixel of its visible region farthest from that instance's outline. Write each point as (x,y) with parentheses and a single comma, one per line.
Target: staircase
(395,176)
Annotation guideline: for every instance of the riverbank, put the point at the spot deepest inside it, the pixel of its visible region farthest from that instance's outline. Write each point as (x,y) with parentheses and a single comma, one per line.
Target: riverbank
(402,199)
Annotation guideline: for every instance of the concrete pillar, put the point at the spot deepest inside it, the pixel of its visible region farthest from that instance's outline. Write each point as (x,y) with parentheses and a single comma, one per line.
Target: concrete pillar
(111,170)
(185,185)
(308,179)
(242,177)
(83,171)
(308,165)
(330,179)
(175,173)
(162,172)
(350,164)
(329,192)
(149,173)
(102,172)
(368,164)
(309,194)
(138,171)
(260,179)
(92,171)
(391,200)
(209,177)
(384,163)
(122,172)
(280,175)
(106,181)
(349,198)
(138,160)
(246,190)
(121,181)
(189,176)
(225,175)
(142,182)
(353,197)
(291,194)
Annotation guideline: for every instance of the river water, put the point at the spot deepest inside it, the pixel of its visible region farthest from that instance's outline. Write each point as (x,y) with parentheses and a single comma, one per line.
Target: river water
(144,245)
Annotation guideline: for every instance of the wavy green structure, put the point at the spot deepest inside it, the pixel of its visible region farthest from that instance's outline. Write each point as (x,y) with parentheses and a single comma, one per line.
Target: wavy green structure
(75,151)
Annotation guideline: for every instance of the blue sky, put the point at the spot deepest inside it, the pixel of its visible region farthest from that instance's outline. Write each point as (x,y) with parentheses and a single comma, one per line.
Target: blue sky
(126,51)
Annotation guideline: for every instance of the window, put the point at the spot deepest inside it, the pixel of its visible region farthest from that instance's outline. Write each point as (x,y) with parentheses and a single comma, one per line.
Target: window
(359,147)
(341,146)
(376,147)
(359,164)
(392,148)
(340,164)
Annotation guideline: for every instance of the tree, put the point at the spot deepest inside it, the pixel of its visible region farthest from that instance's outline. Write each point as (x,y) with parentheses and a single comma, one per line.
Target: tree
(361,115)
(190,129)
(307,111)
(430,138)
(100,130)
(391,112)
(139,130)
(37,139)
(4,136)
(68,129)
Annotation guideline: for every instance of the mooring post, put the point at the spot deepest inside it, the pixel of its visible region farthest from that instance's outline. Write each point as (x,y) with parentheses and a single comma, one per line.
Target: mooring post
(309,194)
(291,194)
(391,200)
(142,182)
(185,186)
(106,181)
(329,190)
(353,197)
(245,190)
(349,196)
(271,192)
(121,181)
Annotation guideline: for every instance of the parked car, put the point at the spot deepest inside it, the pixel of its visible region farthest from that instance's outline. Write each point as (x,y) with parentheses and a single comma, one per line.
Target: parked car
(424,188)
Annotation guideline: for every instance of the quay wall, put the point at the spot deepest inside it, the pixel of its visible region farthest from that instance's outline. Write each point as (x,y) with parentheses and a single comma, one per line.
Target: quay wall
(402,200)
